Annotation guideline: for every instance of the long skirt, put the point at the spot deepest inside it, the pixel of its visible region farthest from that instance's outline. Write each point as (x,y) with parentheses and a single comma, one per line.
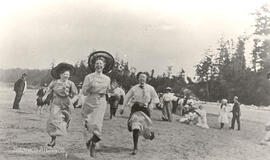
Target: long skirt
(93,113)
(167,111)
(58,121)
(223,118)
(140,120)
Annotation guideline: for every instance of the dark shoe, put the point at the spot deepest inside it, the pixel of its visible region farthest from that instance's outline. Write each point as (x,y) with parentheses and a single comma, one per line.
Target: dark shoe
(164,119)
(51,144)
(152,136)
(93,149)
(134,152)
(231,128)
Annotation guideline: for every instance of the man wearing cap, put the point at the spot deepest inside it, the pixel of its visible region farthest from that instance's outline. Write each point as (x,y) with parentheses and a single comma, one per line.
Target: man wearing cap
(142,95)
(19,88)
(236,113)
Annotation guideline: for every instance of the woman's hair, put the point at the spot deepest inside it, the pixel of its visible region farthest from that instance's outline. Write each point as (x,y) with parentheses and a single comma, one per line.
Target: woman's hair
(223,104)
(63,70)
(100,58)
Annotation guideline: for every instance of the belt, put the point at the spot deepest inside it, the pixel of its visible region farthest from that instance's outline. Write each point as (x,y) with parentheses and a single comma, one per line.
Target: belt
(140,104)
(99,94)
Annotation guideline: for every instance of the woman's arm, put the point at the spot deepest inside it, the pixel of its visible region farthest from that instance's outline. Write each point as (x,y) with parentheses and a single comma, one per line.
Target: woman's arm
(86,86)
(127,98)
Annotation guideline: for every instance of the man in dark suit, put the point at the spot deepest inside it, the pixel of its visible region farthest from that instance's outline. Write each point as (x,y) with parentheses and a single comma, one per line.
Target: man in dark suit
(236,113)
(19,88)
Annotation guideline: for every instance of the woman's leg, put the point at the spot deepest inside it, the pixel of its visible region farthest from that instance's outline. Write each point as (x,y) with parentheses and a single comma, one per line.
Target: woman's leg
(52,143)
(93,142)
(135,141)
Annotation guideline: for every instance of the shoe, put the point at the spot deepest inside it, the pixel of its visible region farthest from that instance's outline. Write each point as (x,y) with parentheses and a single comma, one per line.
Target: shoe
(51,144)
(152,136)
(134,152)
(93,149)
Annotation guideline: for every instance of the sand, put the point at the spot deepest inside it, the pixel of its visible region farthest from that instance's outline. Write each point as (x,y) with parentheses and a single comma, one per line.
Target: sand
(23,136)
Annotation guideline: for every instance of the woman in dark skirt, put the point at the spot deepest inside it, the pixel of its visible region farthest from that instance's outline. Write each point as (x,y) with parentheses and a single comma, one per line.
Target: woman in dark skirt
(139,123)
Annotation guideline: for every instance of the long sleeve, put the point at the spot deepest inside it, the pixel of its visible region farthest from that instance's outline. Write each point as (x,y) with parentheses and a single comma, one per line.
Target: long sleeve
(127,98)
(154,97)
(85,86)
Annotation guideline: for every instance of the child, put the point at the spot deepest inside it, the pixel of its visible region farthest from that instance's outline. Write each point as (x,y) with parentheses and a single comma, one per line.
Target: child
(223,115)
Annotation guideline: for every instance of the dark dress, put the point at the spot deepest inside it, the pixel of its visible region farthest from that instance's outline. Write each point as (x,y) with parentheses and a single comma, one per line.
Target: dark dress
(18,88)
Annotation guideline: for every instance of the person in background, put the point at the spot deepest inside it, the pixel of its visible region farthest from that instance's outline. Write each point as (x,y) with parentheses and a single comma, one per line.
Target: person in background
(184,105)
(60,110)
(236,113)
(79,99)
(116,98)
(223,115)
(266,139)
(40,103)
(166,102)
(202,119)
(19,88)
(139,122)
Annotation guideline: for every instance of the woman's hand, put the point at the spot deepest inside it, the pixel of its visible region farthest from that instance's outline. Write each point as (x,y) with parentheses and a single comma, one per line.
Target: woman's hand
(89,89)
(44,98)
(121,111)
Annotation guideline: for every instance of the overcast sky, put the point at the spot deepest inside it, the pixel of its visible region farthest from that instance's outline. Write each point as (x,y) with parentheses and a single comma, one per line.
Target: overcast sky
(150,34)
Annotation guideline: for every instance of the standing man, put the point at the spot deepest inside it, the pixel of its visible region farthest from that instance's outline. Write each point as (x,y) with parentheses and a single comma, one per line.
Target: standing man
(142,95)
(236,113)
(19,88)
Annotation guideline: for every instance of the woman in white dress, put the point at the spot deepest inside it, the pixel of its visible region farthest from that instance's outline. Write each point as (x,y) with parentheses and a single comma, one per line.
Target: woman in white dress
(95,87)
(223,114)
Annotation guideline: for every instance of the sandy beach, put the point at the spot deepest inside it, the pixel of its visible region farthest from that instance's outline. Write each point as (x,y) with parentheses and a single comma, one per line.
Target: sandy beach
(23,136)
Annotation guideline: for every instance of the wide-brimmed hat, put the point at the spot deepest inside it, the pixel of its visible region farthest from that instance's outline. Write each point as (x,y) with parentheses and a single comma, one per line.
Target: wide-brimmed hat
(224,101)
(108,58)
(146,73)
(55,72)
(168,89)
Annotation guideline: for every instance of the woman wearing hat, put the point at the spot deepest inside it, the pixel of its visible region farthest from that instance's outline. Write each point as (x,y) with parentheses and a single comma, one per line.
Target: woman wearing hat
(166,102)
(95,87)
(63,90)
(223,114)
(142,95)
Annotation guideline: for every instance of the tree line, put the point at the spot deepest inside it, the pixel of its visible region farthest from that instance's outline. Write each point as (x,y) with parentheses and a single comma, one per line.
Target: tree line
(222,73)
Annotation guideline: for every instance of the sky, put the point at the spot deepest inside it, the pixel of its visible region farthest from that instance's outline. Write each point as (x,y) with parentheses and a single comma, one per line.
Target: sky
(149,34)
